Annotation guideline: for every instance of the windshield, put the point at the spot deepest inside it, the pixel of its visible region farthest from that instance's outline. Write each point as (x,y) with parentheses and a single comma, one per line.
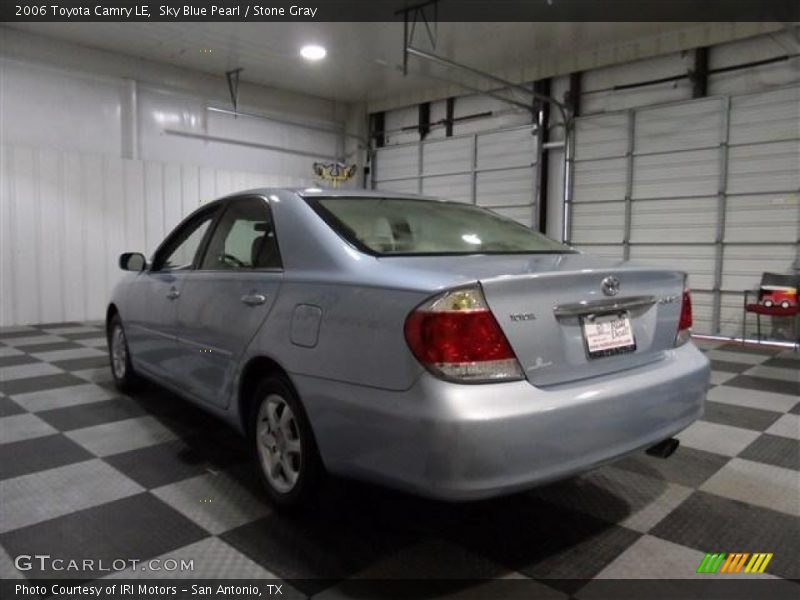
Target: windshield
(405,226)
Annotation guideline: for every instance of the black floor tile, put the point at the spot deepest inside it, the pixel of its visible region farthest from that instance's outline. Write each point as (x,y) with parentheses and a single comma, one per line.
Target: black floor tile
(765,384)
(688,466)
(50,347)
(8,407)
(728,366)
(316,548)
(16,360)
(795,409)
(740,416)
(10,335)
(542,540)
(39,454)
(775,450)
(38,384)
(80,364)
(710,523)
(58,325)
(782,363)
(84,335)
(88,415)
(749,349)
(138,527)
(173,461)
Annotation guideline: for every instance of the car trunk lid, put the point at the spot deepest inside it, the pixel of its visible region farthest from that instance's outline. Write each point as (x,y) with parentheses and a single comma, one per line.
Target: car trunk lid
(550,319)
(542,302)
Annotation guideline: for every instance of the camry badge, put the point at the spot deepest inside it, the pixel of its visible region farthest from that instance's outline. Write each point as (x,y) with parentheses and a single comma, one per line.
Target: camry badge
(522,316)
(610,286)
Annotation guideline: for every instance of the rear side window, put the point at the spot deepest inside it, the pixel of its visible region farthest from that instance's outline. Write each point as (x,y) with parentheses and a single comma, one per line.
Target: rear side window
(406,226)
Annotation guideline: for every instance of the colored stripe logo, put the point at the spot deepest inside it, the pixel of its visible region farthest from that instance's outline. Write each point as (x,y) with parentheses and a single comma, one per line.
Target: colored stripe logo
(735,562)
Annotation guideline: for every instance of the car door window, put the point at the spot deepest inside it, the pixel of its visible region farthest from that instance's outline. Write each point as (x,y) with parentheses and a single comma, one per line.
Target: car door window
(180,249)
(243,239)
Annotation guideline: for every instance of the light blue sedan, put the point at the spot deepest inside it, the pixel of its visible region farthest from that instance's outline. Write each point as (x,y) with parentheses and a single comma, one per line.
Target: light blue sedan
(432,346)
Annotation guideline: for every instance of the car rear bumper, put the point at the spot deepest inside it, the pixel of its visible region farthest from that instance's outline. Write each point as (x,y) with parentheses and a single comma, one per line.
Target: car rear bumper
(462,442)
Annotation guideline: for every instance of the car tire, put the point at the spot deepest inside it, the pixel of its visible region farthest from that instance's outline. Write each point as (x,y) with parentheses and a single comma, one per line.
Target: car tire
(283,444)
(768,303)
(119,357)
(785,304)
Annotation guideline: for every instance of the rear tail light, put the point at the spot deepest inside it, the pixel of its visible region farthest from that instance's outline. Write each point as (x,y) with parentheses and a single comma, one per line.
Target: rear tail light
(685,321)
(456,337)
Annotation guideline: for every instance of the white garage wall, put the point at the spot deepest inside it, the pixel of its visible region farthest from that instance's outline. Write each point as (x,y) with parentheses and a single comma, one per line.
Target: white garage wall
(710,186)
(88,170)
(65,217)
(724,209)
(67,110)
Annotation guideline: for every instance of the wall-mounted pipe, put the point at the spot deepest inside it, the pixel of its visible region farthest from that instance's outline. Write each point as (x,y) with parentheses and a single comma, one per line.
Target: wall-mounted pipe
(506,84)
(224,140)
(333,129)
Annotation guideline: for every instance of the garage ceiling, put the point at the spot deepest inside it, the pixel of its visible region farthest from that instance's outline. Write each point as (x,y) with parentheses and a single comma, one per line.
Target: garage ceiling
(364,59)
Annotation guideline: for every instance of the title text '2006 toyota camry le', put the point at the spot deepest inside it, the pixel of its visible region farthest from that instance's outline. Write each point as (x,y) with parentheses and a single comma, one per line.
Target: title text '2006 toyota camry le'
(432,346)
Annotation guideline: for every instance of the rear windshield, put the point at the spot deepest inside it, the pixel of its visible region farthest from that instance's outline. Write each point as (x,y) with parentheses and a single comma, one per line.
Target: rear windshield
(404,226)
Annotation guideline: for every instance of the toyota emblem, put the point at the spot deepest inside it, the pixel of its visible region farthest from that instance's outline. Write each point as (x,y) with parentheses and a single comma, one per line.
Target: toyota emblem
(610,286)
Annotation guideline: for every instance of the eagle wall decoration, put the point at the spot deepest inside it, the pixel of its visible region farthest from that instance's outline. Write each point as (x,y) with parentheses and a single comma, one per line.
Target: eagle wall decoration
(336,173)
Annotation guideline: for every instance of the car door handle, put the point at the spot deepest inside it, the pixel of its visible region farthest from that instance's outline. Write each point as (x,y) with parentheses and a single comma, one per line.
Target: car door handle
(254,299)
(173,294)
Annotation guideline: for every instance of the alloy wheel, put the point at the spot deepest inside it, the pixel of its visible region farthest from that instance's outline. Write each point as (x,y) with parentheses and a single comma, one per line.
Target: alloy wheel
(119,352)
(279,446)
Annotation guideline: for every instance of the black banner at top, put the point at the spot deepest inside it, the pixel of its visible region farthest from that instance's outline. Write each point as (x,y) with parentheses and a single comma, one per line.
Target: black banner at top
(785,11)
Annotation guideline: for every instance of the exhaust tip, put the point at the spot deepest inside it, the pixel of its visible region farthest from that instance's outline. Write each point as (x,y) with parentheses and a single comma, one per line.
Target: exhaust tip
(664,449)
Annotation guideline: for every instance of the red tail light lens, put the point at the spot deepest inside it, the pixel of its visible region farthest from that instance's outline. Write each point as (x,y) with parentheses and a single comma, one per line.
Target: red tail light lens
(685,321)
(455,336)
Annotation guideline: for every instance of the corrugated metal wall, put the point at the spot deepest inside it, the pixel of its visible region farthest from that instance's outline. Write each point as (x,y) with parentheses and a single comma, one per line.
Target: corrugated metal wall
(67,216)
(710,185)
(496,169)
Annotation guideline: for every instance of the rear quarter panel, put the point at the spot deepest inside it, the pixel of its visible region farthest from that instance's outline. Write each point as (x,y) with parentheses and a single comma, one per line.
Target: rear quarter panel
(360,336)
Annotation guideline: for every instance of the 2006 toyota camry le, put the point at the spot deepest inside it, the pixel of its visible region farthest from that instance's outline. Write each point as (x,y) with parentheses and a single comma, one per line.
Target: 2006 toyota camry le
(431,346)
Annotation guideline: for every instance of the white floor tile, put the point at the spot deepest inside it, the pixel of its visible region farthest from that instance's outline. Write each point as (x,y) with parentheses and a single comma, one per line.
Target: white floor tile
(100,375)
(35,369)
(61,397)
(122,436)
(719,439)
(71,329)
(217,503)
(740,357)
(787,426)
(752,398)
(34,340)
(212,559)
(57,355)
(757,483)
(23,427)
(44,495)
(653,558)
(720,377)
(774,373)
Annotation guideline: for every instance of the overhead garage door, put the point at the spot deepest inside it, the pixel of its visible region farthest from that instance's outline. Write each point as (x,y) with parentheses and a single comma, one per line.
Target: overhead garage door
(494,169)
(709,186)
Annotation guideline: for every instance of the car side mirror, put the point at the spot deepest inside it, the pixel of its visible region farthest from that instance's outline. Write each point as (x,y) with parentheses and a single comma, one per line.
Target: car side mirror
(132,261)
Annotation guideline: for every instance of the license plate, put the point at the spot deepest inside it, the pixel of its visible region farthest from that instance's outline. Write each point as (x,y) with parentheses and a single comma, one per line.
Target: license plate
(607,335)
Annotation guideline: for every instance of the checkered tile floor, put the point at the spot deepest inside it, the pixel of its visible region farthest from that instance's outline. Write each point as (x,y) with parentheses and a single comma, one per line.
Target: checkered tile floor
(85,470)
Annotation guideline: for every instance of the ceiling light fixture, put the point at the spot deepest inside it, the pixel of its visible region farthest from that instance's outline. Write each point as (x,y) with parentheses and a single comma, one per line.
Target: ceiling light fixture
(313,52)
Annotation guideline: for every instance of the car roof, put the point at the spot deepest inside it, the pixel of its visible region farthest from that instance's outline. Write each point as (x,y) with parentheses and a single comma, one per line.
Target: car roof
(317,192)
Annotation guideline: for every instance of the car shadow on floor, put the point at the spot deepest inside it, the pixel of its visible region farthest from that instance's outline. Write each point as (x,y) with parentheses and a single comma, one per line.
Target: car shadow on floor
(567,530)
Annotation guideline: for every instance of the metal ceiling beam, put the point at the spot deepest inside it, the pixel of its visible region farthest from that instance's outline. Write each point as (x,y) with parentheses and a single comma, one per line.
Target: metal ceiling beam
(489,77)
